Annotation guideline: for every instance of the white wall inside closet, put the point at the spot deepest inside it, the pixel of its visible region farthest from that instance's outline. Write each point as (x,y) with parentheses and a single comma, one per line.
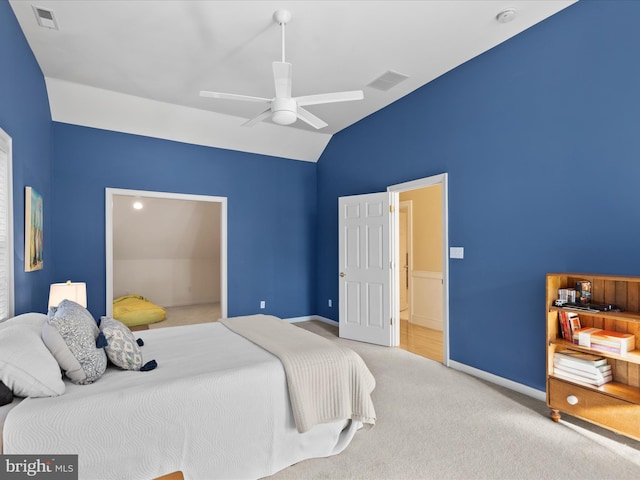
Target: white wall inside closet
(168,251)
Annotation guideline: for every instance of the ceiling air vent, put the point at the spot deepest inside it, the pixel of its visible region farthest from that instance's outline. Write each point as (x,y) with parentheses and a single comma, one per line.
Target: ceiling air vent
(45,17)
(387,81)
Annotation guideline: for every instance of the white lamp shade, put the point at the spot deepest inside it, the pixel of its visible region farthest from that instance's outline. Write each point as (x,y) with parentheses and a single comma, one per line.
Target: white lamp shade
(76,292)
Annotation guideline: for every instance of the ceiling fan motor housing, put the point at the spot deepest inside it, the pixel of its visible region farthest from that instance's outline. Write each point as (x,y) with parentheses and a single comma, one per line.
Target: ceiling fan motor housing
(284,111)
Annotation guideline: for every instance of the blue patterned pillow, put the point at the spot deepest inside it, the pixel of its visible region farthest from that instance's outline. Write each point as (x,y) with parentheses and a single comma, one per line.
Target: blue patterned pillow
(122,349)
(70,334)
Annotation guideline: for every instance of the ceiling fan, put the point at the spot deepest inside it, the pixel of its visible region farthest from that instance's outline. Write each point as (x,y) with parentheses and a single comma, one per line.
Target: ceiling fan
(284,109)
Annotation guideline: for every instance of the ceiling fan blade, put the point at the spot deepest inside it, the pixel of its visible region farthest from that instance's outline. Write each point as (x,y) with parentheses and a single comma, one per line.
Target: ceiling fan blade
(233,96)
(310,118)
(282,76)
(258,118)
(330,97)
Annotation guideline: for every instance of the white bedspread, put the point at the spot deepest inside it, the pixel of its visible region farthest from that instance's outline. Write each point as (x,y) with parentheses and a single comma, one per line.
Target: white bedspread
(4,411)
(326,381)
(216,407)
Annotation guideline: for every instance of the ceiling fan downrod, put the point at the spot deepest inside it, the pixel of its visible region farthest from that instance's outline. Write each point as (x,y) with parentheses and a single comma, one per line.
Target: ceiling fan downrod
(281,17)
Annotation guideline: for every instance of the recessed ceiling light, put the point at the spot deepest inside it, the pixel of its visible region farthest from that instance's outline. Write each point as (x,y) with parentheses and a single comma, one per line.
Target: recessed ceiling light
(137,205)
(45,17)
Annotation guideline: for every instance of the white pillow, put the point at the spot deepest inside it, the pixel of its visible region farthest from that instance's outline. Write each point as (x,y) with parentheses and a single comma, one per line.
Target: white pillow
(26,365)
(35,320)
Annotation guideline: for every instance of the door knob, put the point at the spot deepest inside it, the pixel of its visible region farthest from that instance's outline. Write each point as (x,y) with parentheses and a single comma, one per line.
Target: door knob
(342,274)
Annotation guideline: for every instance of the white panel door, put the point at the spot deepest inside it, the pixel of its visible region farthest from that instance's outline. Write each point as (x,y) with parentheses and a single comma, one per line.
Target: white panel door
(365,267)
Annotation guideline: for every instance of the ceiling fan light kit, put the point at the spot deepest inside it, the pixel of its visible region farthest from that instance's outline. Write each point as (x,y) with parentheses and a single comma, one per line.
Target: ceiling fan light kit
(284,111)
(283,108)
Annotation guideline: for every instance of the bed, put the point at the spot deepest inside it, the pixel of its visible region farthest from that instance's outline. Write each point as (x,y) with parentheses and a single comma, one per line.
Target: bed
(217,406)
(135,310)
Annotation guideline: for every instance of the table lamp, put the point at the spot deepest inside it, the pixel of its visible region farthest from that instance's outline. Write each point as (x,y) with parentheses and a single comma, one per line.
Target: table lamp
(74,291)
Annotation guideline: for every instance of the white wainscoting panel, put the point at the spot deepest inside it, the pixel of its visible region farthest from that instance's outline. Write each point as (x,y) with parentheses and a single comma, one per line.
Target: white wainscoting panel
(426,299)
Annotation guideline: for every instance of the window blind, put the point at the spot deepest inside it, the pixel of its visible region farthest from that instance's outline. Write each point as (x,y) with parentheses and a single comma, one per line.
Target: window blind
(6,228)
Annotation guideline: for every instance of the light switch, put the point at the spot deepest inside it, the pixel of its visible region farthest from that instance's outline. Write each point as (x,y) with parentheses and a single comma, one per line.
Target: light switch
(456,252)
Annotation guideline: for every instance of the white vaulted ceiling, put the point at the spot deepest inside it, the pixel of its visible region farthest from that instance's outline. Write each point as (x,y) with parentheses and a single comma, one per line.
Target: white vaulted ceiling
(137,66)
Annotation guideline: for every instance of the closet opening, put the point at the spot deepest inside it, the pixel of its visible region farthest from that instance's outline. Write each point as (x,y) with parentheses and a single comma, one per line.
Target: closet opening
(169,250)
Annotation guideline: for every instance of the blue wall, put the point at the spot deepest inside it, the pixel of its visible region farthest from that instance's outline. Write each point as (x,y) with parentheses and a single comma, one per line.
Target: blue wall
(537,135)
(271,201)
(540,139)
(271,212)
(24,115)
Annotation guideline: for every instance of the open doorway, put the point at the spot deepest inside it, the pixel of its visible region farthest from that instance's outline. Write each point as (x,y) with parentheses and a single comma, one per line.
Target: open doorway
(420,233)
(422,281)
(169,249)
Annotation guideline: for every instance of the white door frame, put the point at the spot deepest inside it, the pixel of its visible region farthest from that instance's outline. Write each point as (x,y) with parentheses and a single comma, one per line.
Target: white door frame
(111,192)
(408,205)
(441,179)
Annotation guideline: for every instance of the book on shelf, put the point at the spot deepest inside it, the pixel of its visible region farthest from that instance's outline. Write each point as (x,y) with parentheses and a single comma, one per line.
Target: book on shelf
(588,359)
(583,367)
(564,327)
(574,322)
(608,348)
(605,340)
(599,373)
(569,323)
(582,379)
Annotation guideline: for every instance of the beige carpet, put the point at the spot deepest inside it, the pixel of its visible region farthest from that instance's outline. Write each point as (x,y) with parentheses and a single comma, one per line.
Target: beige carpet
(189,314)
(438,423)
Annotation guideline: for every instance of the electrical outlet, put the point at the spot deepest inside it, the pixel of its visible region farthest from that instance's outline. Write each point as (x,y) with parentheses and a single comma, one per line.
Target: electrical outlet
(263,304)
(330,303)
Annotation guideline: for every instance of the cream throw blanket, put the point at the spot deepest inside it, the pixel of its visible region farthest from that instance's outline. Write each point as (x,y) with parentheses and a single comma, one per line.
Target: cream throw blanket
(326,382)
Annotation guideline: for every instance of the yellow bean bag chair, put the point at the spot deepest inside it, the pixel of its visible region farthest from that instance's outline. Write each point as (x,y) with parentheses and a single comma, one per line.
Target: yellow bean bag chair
(133,310)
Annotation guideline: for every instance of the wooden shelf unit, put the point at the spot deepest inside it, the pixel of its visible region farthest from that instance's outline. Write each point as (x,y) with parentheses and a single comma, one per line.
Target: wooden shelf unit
(615,405)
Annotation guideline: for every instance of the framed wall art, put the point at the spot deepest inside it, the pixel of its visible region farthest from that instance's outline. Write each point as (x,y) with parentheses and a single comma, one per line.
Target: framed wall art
(33,234)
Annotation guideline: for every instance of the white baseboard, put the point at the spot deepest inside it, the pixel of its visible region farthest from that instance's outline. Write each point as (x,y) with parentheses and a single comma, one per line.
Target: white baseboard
(312,317)
(503,382)
(300,319)
(325,320)
(489,377)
